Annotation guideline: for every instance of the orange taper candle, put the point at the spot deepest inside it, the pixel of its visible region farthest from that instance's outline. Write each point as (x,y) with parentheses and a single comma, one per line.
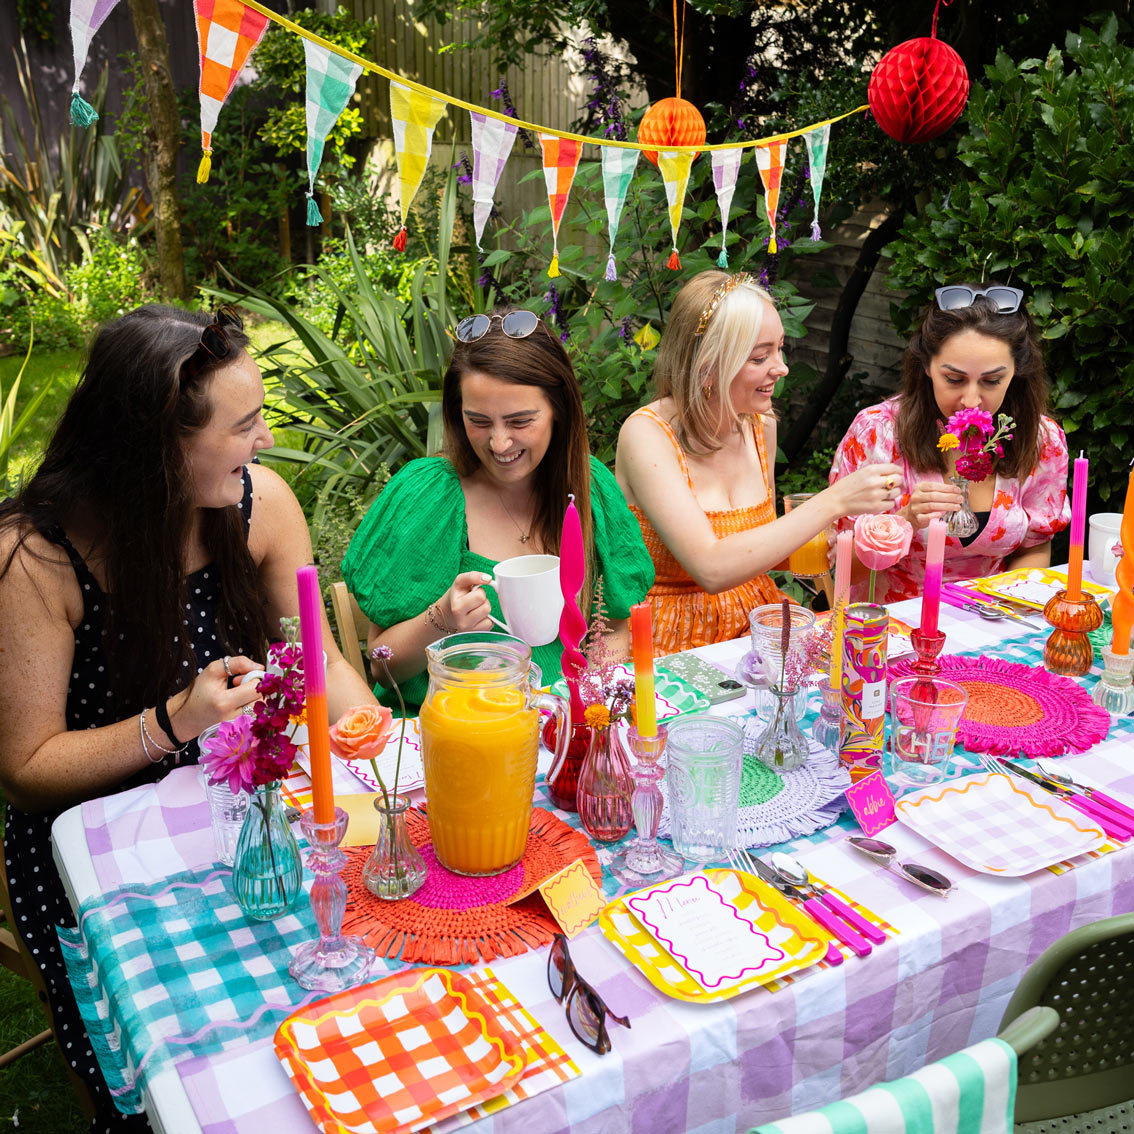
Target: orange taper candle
(315,691)
(1122,605)
(642,650)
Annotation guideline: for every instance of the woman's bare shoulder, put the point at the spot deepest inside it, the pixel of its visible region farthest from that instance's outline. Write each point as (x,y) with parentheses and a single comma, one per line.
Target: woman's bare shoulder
(33,567)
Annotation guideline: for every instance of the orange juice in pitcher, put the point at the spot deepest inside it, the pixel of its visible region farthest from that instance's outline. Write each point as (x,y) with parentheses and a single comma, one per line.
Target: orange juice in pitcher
(480,741)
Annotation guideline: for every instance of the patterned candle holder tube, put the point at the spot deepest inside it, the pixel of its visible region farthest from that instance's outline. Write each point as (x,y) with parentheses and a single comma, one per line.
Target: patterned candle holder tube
(1068,650)
(334,962)
(864,688)
(1115,690)
(645,859)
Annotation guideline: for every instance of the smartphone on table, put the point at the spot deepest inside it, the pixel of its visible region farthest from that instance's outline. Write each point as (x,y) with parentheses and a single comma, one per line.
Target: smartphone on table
(711,680)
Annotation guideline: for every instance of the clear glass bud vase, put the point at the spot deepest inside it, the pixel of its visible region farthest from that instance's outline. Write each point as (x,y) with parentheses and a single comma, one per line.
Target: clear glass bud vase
(395,868)
(267,872)
(961,523)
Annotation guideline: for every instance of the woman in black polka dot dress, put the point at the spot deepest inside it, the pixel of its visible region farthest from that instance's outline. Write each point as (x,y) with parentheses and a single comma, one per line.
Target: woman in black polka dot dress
(148,492)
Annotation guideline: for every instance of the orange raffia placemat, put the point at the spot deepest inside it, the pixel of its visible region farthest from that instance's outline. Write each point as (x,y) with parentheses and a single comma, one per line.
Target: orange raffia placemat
(454,920)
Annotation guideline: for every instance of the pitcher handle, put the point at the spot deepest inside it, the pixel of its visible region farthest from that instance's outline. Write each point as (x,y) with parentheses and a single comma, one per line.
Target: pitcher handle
(560,708)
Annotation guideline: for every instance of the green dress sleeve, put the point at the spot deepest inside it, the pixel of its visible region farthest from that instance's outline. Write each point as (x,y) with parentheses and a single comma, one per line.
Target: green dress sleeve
(621,557)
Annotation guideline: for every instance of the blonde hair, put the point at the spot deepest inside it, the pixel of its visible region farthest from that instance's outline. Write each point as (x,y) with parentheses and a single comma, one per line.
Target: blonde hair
(688,362)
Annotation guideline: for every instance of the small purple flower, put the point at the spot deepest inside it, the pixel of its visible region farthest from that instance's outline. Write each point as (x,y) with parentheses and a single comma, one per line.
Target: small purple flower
(626,331)
(382,653)
(465,166)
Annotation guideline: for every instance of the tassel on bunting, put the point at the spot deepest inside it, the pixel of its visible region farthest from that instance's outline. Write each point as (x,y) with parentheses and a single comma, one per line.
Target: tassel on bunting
(611,271)
(553,270)
(673,263)
(400,240)
(815,233)
(82,113)
(205,168)
(772,246)
(722,259)
(314,217)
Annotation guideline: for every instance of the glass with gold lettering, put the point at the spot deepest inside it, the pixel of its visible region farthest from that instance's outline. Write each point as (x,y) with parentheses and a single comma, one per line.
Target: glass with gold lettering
(924,714)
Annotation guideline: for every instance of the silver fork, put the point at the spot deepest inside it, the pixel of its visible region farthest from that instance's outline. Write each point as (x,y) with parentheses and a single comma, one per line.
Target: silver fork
(740,859)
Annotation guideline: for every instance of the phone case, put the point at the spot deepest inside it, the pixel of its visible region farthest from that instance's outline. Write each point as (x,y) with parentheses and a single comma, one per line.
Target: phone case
(713,681)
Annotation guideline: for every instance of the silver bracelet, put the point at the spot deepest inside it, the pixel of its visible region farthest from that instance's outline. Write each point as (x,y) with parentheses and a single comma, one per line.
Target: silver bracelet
(147,737)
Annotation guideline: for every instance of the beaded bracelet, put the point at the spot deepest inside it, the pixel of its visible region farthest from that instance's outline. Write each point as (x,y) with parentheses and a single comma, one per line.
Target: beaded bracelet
(434,618)
(144,735)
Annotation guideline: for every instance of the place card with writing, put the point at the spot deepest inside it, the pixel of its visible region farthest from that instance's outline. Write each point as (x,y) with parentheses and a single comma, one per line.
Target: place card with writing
(573,897)
(704,932)
(872,802)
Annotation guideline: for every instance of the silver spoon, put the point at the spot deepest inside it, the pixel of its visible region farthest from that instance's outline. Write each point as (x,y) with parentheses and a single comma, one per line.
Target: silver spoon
(796,873)
(997,614)
(923,876)
(1090,792)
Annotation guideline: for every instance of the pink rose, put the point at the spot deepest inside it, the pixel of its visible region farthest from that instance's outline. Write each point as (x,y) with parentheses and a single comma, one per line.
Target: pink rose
(361,733)
(882,540)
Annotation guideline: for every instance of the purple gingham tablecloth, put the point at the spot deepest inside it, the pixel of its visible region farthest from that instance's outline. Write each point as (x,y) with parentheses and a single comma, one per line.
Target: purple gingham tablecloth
(939,986)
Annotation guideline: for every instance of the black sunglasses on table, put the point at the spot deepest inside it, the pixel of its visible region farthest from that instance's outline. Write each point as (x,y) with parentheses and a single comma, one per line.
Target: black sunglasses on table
(214,344)
(586,1010)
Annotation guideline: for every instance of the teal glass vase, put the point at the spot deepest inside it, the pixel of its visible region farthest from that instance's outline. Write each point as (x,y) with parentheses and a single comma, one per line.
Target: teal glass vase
(267,872)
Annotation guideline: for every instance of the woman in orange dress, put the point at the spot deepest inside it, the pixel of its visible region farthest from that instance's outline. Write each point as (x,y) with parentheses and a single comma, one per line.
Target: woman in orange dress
(694,466)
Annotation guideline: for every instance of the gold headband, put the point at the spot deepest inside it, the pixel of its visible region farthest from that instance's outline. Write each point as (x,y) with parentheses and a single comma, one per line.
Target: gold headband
(718,295)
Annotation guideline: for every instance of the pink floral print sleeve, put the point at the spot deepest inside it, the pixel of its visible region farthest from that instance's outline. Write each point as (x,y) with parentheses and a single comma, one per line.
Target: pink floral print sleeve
(1026,511)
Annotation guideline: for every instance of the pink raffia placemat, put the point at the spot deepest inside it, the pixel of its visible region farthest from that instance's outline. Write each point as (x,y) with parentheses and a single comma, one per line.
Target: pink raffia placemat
(1019,709)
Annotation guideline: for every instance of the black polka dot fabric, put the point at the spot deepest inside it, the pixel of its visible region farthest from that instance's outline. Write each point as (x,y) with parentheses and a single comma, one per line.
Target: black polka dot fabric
(38,900)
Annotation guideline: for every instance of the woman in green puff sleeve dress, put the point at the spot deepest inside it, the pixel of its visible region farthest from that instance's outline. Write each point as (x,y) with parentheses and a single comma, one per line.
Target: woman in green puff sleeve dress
(516,445)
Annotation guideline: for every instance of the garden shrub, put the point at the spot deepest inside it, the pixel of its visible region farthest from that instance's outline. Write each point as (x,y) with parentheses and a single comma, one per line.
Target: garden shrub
(1047,207)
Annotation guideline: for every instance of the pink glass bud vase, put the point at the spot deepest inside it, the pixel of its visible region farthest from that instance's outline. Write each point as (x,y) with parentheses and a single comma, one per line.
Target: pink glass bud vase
(605,787)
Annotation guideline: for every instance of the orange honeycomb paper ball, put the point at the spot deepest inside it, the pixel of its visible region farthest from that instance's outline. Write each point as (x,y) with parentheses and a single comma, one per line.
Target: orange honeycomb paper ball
(918,90)
(671,122)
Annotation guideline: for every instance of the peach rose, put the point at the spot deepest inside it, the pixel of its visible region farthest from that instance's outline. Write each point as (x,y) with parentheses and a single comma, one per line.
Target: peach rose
(882,540)
(361,733)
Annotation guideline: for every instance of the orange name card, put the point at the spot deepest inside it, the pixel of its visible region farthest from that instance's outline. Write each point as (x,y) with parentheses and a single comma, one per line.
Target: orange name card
(573,897)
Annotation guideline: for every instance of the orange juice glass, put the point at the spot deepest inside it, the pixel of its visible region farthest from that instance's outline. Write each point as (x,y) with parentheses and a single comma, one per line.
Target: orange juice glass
(480,741)
(810,560)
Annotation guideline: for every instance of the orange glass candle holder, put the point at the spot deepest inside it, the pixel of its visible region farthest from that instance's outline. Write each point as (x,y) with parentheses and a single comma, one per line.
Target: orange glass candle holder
(1069,650)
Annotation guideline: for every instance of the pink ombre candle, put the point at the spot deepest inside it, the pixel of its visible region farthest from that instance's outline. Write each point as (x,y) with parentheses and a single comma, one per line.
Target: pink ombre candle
(934,565)
(1078,526)
(844,557)
(572,624)
(315,693)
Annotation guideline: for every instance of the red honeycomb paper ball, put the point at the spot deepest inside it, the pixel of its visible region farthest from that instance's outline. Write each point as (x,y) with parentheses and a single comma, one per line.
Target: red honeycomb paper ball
(918,90)
(671,122)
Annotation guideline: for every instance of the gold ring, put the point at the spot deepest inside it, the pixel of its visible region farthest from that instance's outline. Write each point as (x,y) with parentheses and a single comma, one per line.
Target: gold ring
(227,667)
(890,482)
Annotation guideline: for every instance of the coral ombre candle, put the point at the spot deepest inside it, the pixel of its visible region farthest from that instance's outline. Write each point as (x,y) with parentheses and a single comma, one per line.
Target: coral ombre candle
(642,650)
(1122,605)
(934,565)
(844,557)
(1078,525)
(315,693)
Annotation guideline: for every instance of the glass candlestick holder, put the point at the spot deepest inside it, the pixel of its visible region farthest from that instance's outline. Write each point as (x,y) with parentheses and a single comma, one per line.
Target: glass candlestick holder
(645,859)
(1115,690)
(927,647)
(1068,650)
(828,727)
(333,962)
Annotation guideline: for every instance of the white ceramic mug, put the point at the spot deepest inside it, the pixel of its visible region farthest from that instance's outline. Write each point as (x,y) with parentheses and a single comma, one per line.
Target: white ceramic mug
(530,597)
(1104,528)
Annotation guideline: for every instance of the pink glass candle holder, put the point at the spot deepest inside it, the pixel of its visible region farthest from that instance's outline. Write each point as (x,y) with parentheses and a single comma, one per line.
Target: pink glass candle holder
(927,647)
(1068,650)
(645,859)
(333,962)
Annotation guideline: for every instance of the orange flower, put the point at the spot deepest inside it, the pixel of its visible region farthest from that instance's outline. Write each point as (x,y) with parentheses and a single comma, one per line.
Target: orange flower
(361,733)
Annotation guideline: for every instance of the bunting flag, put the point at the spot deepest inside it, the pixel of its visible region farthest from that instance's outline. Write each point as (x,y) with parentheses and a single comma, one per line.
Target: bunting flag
(770,162)
(331,79)
(817,141)
(415,118)
(227,34)
(726,166)
(87,17)
(560,160)
(492,143)
(674,167)
(618,167)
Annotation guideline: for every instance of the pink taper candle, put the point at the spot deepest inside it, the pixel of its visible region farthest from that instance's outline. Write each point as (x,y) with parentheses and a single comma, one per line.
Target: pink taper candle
(315,691)
(1122,605)
(934,565)
(844,557)
(1078,527)
(572,624)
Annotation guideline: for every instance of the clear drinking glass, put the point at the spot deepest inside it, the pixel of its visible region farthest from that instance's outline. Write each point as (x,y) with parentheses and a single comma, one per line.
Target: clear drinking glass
(703,776)
(227,808)
(924,714)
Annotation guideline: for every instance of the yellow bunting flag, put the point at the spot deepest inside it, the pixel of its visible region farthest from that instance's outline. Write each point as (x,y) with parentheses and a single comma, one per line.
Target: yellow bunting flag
(415,118)
(674,167)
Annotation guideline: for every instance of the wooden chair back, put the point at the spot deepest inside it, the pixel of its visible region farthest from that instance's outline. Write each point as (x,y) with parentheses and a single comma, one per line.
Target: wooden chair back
(351,628)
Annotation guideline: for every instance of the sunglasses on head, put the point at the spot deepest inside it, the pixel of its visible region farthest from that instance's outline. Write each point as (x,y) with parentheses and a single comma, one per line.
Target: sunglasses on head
(515,324)
(215,344)
(1006,299)
(586,1010)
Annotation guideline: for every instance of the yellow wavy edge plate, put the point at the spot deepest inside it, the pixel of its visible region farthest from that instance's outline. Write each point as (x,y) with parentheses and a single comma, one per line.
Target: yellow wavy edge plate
(991,584)
(353,1000)
(787,927)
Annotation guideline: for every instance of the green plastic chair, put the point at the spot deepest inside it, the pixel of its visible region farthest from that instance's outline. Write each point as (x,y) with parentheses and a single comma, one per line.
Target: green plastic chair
(1081,1078)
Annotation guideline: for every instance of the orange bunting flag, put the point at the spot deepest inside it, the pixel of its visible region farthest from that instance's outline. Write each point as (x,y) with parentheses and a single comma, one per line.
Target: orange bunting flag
(560,160)
(770,162)
(227,33)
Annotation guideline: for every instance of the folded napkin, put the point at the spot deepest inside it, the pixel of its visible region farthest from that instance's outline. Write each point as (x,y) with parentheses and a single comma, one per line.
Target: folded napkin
(972,1092)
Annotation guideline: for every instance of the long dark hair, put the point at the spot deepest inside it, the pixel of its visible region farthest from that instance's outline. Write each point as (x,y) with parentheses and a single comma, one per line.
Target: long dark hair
(1026,400)
(538,360)
(116,466)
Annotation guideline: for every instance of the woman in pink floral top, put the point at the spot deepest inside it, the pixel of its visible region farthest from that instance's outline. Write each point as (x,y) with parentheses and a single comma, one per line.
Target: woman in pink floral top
(981,352)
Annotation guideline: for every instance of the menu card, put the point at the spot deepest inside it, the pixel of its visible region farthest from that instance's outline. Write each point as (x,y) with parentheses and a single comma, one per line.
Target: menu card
(712,940)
